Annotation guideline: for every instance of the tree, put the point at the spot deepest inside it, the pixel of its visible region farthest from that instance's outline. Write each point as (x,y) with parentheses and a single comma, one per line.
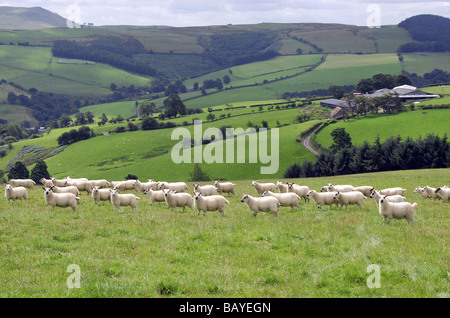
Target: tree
(147,108)
(64,121)
(39,171)
(104,119)
(149,123)
(18,171)
(80,119)
(198,174)
(174,106)
(336,91)
(226,79)
(341,140)
(365,86)
(292,172)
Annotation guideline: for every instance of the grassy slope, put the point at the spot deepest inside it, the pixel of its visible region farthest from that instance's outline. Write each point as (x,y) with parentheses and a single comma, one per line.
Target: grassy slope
(32,66)
(425,63)
(414,124)
(156,253)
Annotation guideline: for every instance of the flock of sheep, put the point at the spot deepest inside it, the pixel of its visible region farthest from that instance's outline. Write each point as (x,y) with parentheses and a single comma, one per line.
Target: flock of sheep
(66,193)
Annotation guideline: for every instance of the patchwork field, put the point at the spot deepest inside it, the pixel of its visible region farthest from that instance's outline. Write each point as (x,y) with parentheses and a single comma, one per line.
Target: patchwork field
(158,253)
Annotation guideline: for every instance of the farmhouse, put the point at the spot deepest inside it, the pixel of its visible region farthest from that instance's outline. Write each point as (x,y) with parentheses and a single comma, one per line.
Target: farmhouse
(340,107)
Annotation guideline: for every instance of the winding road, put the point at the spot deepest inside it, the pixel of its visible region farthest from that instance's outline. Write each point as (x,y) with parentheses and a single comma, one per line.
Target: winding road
(306,143)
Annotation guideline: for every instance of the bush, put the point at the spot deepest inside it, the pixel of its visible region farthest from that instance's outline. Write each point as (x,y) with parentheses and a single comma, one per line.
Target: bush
(39,171)
(18,171)
(198,174)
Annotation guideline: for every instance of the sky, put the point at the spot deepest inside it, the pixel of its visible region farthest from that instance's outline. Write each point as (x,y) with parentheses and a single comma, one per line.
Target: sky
(181,13)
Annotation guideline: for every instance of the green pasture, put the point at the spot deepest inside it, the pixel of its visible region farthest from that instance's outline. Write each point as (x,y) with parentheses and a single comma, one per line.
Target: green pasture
(17,114)
(412,124)
(422,63)
(36,67)
(162,254)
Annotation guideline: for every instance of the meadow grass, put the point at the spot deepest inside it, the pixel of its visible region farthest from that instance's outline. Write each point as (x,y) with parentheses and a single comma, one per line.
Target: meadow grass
(412,124)
(425,63)
(156,253)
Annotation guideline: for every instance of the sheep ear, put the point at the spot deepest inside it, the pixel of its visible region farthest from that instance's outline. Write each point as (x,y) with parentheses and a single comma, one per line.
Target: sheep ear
(43,188)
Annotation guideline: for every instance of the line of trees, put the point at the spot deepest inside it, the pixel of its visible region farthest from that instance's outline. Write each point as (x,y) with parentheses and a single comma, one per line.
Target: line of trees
(392,154)
(74,135)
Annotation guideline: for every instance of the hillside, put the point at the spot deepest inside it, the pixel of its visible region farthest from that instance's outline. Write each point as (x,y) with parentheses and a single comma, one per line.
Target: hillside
(29,18)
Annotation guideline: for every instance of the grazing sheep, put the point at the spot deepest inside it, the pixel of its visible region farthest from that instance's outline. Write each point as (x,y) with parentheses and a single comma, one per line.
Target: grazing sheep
(326,198)
(155,196)
(102,183)
(124,185)
(142,186)
(432,193)
(59,182)
(27,183)
(444,193)
(283,188)
(60,199)
(99,194)
(393,191)
(174,200)
(209,203)
(126,199)
(392,198)
(396,210)
(68,189)
(81,185)
(340,187)
(224,187)
(174,186)
(75,179)
(285,199)
(301,191)
(264,204)
(205,190)
(346,198)
(366,190)
(17,193)
(261,187)
(324,189)
(423,194)
(46,182)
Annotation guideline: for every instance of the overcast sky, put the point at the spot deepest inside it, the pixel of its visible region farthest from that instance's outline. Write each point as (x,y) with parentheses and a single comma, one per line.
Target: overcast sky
(208,12)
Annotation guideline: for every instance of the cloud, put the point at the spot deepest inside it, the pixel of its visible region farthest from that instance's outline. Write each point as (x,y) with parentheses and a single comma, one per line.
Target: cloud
(207,12)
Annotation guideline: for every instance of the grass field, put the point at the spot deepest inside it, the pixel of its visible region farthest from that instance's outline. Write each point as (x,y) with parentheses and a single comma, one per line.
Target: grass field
(414,124)
(36,67)
(425,63)
(156,253)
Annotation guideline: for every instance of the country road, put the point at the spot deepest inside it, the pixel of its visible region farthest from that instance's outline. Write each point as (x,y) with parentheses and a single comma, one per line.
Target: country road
(307,144)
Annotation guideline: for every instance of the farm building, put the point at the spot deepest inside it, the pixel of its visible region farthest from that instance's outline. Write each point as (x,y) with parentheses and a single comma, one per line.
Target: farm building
(406,93)
(333,103)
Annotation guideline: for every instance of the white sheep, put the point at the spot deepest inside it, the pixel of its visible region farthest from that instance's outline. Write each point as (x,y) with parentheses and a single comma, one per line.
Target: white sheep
(422,193)
(46,182)
(60,199)
(205,190)
(142,186)
(75,179)
(59,182)
(155,196)
(285,199)
(325,198)
(432,193)
(82,185)
(396,210)
(264,204)
(102,183)
(346,198)
(224,187)
(283,188)
(68,189)
(261,187)
(209,203)
(301,191)
(391,198)
(126,199)
(27,183)
(393,191)
(99,194)
(15,193)
(444,193)
(124,185)
(340,187)
(324,188)
(174,200)
(366,190)
(178,187)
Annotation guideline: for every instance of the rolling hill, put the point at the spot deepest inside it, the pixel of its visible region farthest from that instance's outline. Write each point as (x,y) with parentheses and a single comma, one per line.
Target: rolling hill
(29,18)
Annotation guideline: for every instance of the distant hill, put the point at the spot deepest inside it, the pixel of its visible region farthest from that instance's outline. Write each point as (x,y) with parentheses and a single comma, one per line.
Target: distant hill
(29,18)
